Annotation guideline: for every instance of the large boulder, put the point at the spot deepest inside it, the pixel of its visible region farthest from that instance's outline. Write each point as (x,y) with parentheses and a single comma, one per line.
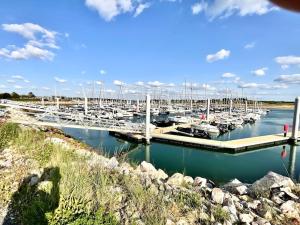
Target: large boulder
(217,195)
(290,209)
(272,180)
(176,179)
(147,167)
(236,187)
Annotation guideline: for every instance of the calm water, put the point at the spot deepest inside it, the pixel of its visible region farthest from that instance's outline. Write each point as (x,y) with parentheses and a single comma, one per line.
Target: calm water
(219,167)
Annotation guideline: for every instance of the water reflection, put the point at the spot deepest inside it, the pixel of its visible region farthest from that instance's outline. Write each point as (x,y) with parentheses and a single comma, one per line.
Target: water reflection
(292,162)
(147,153)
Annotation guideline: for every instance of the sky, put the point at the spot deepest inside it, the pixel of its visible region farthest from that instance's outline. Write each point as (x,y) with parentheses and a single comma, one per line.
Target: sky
(244,47)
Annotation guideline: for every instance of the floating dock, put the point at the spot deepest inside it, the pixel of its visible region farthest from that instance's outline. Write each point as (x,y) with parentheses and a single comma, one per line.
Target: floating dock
(232,146)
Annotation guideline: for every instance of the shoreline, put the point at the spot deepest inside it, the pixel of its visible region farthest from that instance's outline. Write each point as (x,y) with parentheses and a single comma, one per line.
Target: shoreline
(192,199)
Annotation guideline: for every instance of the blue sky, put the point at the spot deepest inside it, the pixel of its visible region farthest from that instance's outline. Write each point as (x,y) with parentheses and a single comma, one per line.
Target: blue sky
(239,45)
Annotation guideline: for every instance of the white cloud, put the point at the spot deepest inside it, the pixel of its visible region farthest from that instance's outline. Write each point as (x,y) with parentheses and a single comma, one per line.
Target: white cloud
(102,72)
(46,88)
(260,72)
(289,79)
(225,8)
(118,83)
(99,82)
(60,80)
(249,45)
(222,54)
(18,87)
(228,75)
(197,8)
(108,9)
(18,77)
(11,81)
(262,86)
(141,7)
(29,31)
(2,86)
(170,85)
(139,83)
(284,67)
(155,83)
(40,41)
(207,87)
(286,61)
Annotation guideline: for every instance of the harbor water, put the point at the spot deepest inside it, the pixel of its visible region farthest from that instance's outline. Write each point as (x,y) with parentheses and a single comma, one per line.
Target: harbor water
(217,166)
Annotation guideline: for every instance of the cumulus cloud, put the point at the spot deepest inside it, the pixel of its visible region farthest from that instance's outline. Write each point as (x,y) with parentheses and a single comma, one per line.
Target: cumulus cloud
(18,87)
(197,8)
(225,8)
(260,72)
(155,83)
(109,9)
(141,7)
(60,80)
(262,86)
(222,54)
(40,42)
(10,81)
(286,61)
(2,86)
(99,82)
(249,45)
(228,75)
(139,83)
(118,83)
(102,72)
(289,79)
(18,77)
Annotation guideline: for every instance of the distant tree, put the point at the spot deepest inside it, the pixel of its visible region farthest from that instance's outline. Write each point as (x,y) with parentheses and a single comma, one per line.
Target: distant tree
(31,95)
(15,95)
(5,96)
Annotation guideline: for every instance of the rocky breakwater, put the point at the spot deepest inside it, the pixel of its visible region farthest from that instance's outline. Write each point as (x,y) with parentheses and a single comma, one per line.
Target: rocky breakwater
(274,199)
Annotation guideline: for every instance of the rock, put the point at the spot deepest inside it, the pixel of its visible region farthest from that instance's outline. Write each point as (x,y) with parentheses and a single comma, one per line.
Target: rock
(246,218)
(289,193)
(182,222)
(199,181)
(232,209)
(188,180)
(169,222)
(290,209)
(160,174)
(253,205)
(262,221)
(264,185)
(112,163)
(176,179)
(33,180)
(147,167)
(277,200)
(217,195)
(236,187)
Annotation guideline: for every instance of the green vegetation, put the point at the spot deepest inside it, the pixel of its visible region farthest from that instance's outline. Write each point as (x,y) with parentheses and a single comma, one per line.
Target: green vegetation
(69,191)
(8,132)
(15,96)
(220,214)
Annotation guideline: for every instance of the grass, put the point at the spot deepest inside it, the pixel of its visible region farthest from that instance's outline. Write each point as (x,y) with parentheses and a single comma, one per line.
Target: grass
(8,132)
(220,214)
(69,190)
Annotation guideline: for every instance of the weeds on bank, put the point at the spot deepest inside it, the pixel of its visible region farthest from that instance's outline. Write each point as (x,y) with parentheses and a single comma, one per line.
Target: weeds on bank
(220,214)
(8,132)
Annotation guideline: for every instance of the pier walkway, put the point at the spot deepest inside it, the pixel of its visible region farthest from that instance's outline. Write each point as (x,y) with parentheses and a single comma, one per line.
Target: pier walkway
(232,146)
